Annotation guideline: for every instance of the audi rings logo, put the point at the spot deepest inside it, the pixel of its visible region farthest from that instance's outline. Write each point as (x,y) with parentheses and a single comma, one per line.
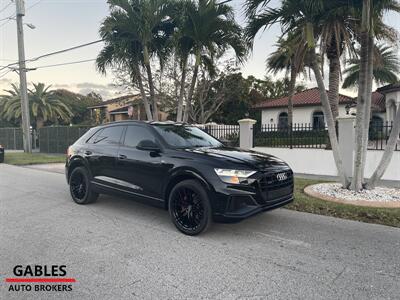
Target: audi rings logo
(281,176)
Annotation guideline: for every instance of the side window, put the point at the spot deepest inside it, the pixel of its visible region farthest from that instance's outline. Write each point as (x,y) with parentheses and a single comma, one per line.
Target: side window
(93,137)
(109,136)
(135,134)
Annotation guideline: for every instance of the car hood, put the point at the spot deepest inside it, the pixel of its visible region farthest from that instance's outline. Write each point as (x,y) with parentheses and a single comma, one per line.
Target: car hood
(252,159)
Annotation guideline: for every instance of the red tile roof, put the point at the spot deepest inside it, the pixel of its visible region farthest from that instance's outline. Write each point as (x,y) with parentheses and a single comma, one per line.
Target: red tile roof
(378,102)
(116,100)
(304,98)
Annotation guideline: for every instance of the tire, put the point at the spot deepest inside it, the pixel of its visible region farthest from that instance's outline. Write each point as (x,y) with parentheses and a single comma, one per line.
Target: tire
(80,187)
(189,207)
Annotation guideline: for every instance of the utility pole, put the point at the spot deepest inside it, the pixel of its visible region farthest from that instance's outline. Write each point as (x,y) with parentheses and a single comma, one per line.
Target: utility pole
(25,116)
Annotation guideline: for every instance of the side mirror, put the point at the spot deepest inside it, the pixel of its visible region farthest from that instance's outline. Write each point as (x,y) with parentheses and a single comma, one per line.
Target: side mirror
(148,145)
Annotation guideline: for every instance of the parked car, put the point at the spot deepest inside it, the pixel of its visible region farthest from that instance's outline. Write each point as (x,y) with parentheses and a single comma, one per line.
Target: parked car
(1,154)
(177,167)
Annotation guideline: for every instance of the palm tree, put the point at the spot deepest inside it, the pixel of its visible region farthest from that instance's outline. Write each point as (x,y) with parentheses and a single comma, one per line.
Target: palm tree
(336,31)
(386,66)
(298,16)
(44,105)
(289,57)
(134,33)
(207,29)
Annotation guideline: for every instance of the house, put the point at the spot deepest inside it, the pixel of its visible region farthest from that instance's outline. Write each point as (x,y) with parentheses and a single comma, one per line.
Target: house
(307,107)
(117,109)
(392,99)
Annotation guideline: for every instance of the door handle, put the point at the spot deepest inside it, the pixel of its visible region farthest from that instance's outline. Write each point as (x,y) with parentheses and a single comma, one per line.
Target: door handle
(122,156)
(87,152)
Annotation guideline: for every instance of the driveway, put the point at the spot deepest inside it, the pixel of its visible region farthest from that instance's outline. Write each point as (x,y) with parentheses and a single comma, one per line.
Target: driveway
(119,249)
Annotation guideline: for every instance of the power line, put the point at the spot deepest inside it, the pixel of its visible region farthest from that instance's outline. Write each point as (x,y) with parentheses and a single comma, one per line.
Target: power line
(11,17)
(65,64)
(5,73)
(5,7)
(53,53)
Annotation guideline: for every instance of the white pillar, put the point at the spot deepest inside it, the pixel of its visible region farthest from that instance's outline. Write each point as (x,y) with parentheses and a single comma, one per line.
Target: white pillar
(347,141)
(246,133)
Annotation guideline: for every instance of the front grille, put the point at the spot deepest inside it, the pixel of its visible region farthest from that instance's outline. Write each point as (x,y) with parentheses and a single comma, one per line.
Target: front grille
(273,186)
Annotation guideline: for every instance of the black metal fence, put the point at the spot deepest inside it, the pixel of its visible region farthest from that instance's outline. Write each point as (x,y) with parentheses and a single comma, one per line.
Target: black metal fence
(56,139)
(228,134)
(379,133)
(11,138)
(291,136)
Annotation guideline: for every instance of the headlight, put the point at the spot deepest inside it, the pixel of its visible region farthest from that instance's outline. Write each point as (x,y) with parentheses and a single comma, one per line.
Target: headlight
(233,176)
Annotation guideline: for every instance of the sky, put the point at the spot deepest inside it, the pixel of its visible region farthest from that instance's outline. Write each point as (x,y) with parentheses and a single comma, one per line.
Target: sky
(63,24)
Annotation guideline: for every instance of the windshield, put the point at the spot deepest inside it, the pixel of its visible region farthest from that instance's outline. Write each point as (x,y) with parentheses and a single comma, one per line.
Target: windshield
(180,136)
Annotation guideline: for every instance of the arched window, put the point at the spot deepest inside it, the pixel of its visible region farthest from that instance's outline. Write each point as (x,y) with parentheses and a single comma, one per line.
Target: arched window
(318,120)
(283,120)
(376,128)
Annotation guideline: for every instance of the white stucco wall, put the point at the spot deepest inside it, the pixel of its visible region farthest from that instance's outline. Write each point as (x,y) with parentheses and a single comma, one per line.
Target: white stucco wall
(321,162)
(392,98)
(301,115)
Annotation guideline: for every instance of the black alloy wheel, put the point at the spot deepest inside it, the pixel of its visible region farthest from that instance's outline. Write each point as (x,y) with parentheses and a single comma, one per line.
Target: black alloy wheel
(80,187)
(189,207)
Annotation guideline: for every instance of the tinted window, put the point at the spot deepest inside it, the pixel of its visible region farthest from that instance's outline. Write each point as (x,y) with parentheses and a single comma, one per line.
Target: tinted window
(93,136)
(109,136)
(135,134)
(179,136)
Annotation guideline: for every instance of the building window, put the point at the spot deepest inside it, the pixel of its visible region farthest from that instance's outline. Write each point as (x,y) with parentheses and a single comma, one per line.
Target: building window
(318,120)
(283,120)
(376,130)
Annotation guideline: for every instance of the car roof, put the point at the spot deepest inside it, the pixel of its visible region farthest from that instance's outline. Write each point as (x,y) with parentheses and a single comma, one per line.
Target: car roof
(127,122)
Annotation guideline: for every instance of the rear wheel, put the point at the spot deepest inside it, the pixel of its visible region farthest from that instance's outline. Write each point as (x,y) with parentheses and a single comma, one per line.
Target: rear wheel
(189,207)
(80,187)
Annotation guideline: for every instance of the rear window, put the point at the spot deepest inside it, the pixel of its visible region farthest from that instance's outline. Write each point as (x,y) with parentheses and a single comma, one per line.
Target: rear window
(109,136)
(87,136)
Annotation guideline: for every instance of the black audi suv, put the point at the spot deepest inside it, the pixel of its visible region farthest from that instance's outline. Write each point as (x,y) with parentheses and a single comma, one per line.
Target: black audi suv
(177,167)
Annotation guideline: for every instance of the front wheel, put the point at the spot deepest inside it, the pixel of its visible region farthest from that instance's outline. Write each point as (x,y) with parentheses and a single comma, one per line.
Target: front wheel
(189,207)
(80,187)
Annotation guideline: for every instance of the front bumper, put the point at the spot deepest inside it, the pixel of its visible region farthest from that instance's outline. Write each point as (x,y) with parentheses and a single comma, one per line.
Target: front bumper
(235,203)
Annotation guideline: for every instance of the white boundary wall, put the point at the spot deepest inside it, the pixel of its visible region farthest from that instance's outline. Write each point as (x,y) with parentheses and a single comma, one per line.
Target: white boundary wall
(321,162)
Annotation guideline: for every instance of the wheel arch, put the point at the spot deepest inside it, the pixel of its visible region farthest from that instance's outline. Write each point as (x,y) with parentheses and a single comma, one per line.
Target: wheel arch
(181,176)
(75,163)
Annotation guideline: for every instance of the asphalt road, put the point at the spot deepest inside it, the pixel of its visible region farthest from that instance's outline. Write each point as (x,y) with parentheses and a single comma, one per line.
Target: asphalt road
(119,249)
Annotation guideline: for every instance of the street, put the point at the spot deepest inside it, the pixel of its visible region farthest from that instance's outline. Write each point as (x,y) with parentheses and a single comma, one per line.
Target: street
(119,249)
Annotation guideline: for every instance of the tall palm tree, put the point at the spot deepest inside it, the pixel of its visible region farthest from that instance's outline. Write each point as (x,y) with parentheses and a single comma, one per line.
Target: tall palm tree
(290,57)
(134,33)
(386,66)
(336,31)
(301,16)
(207,29)
(44,105)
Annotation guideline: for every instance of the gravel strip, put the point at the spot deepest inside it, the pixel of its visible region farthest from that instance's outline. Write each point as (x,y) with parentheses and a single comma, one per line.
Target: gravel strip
(379,194)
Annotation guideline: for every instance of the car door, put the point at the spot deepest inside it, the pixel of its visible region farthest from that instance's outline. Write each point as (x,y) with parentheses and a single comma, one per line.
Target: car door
(102,153)
(141,171)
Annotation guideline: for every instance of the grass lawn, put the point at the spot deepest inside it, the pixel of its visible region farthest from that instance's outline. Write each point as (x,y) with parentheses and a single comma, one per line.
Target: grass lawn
(31,159)
(305,203)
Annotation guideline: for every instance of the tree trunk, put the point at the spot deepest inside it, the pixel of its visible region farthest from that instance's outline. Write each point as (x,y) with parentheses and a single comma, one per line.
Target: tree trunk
(368,102)
(292,85)
(39,123)
(182,91)
(151,82)
(356,184)
(143,93)
(191,89)
(387,154)
(329,120)
(334,77)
